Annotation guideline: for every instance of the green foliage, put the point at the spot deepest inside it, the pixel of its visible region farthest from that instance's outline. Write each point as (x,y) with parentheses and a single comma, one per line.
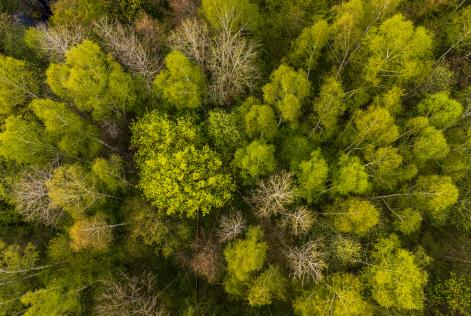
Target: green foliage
(232,13)
(181,83)
(246,256)
(354,216)
(176,174)
(90,233)
(458,35)
(93,81)
(17,84)
(269,285)
(428,143)
(312,175)
(73,135)
(260,122)
(109,173)
(384,164)
(440,109)
(330,104)
(73,12)
(346,251)
(454,292)
(374,127)
(339,295)
(24,141)
(435,195)
(286,91)
(394,278)
(308,46)
(350,176)
(408,221)
(254,161)
(409,59)
(225,131)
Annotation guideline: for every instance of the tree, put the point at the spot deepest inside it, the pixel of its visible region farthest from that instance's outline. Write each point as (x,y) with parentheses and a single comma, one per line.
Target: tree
(91,233)
(455,292)
(299,222)
(429,143)
(286,91)
(231,226)
(260,121)
(32,200)
(408,221)
(225,131)
(207,260)
(308,46)
(458,32)
(69,131)
(17,84)
(312,176)
(340,295)
(435,195)
(254,161)
(181,83)
(176,173)
(354,216)
(232,63)
(72,188)
(398,52)
(269,285)
(330,105)
(394,278)
(350,176)
(273,195)
(74,12)
(235,12)
(441,110)
(130,295)
(25,142)
(346,252)
(384,165)
(244,257)
(109,173)
(307,263)
(93,81)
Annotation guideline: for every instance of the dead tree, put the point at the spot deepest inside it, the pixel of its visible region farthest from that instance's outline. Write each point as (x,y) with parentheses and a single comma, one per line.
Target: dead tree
(127,48)
(298,222)
(231,226)
(134,296)
(306,262)
(273,195)
(32,201)
(207,261)
(183,9)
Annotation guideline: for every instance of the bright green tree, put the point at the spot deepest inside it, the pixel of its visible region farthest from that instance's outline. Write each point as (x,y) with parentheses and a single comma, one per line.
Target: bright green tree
(178,174)
(93,81)
(398,52)
(260,122)
(340,295)
(254,161)
(429,142)
(407,221)
(72,134)
(233,13)
(312,175)
(92,233)
(308,46)
(109,173)
(394,278)
(354,216)
(181,83)
(330,104)
(17,84)
(225,131)
(268,286)
(440,109)
(25,142)
(458,34)
(350,176)
(287,91)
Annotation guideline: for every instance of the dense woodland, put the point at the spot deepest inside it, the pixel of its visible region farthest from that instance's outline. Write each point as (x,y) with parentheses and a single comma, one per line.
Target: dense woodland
(235,157)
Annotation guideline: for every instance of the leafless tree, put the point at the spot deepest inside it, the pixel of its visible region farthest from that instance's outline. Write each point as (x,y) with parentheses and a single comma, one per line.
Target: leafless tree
(32,201)
(232,64)
(231,226)
(299,222)
(184,8)
(55,41)
(273,195)
(126,46)
(207,261)
(192,38)
(134,296)
(306,262)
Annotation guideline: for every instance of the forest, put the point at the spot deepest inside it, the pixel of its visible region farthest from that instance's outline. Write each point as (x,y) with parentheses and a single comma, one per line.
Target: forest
(235,157)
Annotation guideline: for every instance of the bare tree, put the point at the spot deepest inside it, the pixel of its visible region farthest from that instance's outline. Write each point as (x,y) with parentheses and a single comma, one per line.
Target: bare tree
(134,296)
(32,201)
(56,41)
(273,195)
(192,38)
(306,262)
(231,226)
(299,222)
(232,64)
(184,8)
(127,48)
(208,261)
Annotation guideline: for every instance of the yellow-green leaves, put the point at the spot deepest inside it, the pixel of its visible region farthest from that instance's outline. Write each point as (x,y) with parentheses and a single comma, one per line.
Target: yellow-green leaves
(254,161)
(440,109)
(181,83)
(354,216)
(350,176)
(312,175)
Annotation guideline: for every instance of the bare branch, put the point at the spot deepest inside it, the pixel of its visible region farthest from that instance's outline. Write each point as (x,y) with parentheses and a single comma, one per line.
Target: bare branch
(231,226)
(306,262)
